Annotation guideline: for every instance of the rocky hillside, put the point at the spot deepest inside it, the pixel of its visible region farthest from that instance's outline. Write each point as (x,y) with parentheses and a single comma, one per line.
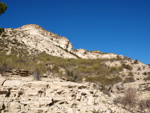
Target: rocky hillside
(42,73)
(51,95)
(35,37)
(56,95)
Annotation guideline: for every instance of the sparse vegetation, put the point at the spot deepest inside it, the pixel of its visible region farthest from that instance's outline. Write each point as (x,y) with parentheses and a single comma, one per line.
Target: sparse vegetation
(104,80)
(77,69)
(73,76)
(93,70)
(129,98)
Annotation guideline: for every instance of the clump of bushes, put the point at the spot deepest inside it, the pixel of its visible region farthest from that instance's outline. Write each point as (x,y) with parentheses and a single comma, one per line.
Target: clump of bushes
(129,98)
(55,69)
(73,76)
(104,79)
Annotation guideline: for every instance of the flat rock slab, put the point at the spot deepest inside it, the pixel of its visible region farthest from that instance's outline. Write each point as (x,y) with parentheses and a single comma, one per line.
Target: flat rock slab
(2,80)
(12,83)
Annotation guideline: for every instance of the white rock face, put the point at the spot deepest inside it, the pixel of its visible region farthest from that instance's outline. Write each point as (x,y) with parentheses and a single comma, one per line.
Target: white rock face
(35,37)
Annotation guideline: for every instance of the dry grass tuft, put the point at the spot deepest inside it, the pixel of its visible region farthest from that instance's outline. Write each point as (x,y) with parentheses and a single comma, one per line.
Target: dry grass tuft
(129,98)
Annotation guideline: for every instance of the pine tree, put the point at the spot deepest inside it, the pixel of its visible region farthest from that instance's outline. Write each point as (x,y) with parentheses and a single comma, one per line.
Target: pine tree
(3,8)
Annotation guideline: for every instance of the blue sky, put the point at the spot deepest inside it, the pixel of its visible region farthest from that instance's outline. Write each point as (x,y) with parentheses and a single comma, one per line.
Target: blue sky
(111,26)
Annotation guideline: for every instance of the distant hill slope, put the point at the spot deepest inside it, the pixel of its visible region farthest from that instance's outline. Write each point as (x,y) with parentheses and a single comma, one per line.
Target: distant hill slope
(36,63)
(35,37)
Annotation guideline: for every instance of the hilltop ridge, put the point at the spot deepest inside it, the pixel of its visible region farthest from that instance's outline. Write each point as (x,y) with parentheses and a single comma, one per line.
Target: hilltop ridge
(35,37)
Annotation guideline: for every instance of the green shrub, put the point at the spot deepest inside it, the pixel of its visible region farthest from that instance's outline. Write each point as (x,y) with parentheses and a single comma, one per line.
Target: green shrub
(73,76)
(103,80)
(55,69)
